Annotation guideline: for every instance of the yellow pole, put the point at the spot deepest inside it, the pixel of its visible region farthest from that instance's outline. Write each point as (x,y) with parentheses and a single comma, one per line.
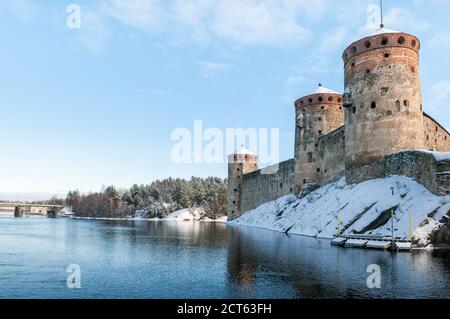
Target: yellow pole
(410,227)
(339,223)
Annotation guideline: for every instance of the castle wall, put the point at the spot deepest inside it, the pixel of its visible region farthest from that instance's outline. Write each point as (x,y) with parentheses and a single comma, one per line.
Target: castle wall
(420,166)
(331,153)
(436,137)
(266,184)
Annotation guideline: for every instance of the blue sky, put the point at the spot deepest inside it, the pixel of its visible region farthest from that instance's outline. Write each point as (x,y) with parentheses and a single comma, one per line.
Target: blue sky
(82,108)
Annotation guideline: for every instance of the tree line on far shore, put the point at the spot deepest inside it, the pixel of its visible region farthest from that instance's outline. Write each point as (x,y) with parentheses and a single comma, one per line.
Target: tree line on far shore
(155,200)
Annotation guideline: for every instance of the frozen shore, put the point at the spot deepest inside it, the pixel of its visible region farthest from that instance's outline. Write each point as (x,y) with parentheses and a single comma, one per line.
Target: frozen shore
(364,208)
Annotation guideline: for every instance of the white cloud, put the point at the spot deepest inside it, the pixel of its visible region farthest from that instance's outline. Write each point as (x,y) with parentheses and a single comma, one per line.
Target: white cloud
(93,31)
(210,69)
(147,15)
(19,8)
(244,22)
(404,20)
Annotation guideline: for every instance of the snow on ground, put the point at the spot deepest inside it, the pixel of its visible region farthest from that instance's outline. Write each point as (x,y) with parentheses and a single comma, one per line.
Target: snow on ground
(439,156)
(365,209)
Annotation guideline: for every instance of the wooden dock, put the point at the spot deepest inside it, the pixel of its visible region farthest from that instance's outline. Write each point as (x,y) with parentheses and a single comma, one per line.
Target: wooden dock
(372,242)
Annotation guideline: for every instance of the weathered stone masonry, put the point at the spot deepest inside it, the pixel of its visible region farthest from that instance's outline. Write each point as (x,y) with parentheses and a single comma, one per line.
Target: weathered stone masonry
(373,130)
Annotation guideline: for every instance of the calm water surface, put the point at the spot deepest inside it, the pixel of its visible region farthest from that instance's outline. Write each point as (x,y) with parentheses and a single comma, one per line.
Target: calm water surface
(142,259)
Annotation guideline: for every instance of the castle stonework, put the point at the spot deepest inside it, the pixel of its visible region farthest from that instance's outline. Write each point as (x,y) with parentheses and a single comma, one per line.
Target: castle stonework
(371,131)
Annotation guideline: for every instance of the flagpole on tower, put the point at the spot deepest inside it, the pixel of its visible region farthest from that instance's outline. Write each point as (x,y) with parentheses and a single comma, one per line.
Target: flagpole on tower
(381,11)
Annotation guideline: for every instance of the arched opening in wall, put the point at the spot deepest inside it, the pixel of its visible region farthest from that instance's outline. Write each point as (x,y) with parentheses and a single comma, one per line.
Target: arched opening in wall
(322,107)
(401,40)
(281,185)
(301,102)
(238,169)
(354,49)
(386,55)
(413,69)
(367,44)
(339,100)
(310,158)
(397,105)
(428,137)
(373,105)
(320,132)
(235,190)
(325,171)
(310,100)
(330,99)
(384,41)
(413,43)
(234,202)
(291,189)
(304,181)
(406,103)
(318,170)
(354,109)
(435,141)
(232,212)
(320,99)
(445,137)
(367,71)
(437,129)
(353,64)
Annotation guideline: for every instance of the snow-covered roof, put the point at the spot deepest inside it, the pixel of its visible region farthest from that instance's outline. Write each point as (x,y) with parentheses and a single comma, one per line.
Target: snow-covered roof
(382,31)
(321,90)
(244,151)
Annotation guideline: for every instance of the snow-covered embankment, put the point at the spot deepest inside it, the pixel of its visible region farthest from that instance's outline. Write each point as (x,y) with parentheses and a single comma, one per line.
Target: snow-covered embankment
(365,209)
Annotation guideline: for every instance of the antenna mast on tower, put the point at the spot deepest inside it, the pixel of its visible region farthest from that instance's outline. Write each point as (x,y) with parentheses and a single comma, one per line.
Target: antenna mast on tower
(381,11)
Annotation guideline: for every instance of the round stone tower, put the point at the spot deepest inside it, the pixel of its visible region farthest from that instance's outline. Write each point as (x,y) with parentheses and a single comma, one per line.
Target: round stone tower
(317,114)
(382,98)
(241,162)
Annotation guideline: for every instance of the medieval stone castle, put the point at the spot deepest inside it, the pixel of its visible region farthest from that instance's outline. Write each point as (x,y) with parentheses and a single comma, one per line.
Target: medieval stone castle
(375,129)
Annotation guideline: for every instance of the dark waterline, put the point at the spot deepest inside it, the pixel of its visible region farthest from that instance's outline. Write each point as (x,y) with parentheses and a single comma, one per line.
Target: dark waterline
(142,259)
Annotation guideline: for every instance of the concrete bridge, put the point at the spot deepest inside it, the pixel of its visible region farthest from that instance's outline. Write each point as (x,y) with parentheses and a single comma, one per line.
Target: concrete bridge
(21,209)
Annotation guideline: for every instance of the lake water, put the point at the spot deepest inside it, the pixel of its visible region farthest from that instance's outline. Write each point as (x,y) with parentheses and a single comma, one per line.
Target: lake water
(143,259)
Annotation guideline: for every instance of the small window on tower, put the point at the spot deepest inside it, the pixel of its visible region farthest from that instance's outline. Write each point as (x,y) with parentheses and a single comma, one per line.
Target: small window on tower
(310,158)
(318,170)
(401,40)
(406,103)
(354,109)
(384,41)
(373,105)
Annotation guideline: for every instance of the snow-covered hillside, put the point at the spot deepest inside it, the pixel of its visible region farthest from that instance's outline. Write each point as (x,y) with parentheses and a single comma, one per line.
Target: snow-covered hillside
(365,209)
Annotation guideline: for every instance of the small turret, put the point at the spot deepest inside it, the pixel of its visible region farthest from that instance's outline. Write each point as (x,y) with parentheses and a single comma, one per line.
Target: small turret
(239,163)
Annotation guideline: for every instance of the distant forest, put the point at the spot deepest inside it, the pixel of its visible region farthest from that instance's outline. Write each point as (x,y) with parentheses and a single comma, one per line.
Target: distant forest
(155,200)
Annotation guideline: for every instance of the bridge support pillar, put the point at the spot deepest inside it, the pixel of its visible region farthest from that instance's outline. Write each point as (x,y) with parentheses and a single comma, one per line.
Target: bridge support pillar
(19,211)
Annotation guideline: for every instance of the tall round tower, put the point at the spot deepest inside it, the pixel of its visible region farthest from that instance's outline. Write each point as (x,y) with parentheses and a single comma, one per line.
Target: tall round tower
(382,99)
(241,162)
(317,114)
